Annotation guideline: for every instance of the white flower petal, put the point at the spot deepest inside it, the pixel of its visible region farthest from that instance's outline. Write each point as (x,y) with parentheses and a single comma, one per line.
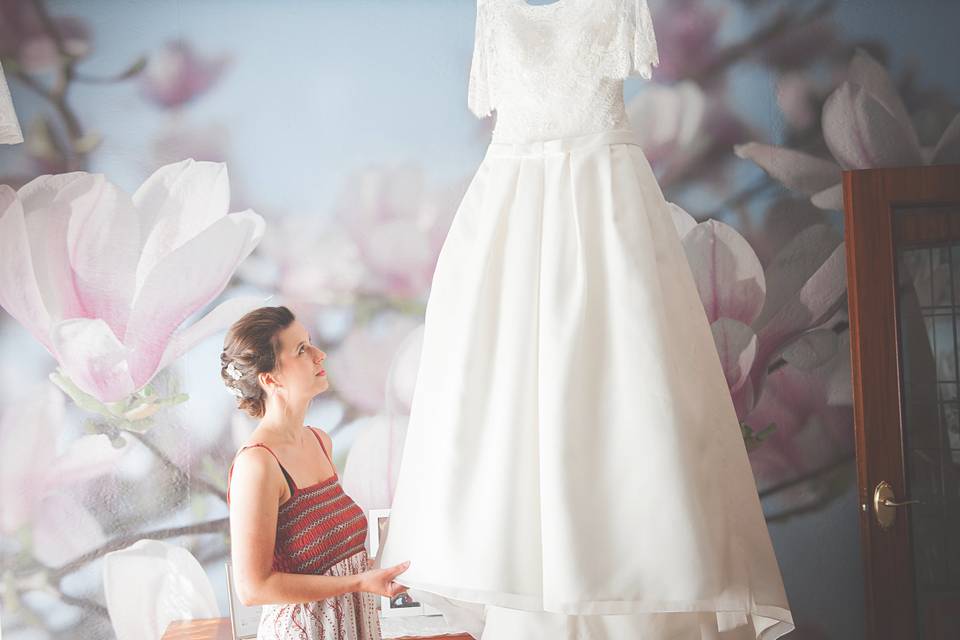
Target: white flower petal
(830,199)
(862,134)
(176,203)
(872,76)
(796,170)
(151,583)
(207,263)
(948,148)
(93,358)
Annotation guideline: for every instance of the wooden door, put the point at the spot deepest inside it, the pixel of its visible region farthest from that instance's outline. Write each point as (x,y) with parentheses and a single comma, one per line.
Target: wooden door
(903,273)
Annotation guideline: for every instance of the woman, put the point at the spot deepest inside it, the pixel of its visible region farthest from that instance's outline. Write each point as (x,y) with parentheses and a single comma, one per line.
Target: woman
(297,540)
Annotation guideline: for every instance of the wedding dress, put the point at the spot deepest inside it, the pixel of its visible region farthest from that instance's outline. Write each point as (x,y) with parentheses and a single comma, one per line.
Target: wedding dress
(573,465)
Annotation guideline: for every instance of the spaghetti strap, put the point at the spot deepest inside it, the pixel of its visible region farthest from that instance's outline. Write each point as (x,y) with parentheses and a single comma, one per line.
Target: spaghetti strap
(290,483)
(325,452)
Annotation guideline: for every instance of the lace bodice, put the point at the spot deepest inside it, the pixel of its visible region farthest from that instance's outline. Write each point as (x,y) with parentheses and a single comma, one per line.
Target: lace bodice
(9,127)
(557,70)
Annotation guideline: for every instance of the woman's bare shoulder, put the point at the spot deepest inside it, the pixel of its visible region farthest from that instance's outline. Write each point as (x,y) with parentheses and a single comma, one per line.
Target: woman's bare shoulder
(327,440)
(253,458)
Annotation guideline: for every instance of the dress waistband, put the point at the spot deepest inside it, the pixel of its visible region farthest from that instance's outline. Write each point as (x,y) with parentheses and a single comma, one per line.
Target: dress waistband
(563,145)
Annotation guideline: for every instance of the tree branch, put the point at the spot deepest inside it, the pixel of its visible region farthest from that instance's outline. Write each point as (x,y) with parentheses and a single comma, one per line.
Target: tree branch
(186,478)
(211,526)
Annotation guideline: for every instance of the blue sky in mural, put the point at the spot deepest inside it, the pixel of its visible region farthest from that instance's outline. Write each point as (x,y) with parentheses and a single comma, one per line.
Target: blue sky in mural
(317,89)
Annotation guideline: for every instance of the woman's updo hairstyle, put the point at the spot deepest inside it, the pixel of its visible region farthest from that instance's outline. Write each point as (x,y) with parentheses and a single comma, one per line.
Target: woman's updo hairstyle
(249,349)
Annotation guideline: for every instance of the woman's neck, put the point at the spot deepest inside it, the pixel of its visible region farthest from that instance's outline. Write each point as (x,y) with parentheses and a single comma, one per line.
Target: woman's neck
(286,423)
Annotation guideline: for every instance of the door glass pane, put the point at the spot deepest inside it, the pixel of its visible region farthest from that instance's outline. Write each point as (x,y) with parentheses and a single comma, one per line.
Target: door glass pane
(928,306)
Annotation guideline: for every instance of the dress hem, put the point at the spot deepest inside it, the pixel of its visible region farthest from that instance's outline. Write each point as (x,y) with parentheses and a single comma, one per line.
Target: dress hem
(601,607)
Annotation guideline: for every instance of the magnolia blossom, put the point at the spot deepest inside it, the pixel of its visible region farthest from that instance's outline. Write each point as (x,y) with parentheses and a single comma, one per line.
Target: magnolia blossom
(25,38)
(809,400)
(103,280)
(399,225)
(865,125)
(150,584)
(176,74)
(681,125)
(309,259)
(39,478)
(686,35)
(360,365)
(373,464)
(759,315)
(763,311)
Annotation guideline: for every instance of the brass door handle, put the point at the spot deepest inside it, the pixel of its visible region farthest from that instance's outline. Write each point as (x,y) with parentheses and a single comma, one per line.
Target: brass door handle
(891,503)
(884,505)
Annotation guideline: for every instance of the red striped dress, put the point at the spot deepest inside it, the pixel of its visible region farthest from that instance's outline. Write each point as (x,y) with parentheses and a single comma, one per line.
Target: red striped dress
(320,531)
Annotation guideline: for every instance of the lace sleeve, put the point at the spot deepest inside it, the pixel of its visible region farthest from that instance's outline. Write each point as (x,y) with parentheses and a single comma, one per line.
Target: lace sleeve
(478,91)
(645,55)
(9,127)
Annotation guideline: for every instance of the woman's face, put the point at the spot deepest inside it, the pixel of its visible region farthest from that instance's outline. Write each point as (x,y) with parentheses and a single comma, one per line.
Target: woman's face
(300,363)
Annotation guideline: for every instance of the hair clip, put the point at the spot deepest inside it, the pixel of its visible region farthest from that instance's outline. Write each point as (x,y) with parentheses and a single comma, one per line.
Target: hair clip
(233,372)
(235,391)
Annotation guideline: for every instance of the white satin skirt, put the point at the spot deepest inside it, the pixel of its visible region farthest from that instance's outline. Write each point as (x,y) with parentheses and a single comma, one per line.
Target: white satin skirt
(573,466)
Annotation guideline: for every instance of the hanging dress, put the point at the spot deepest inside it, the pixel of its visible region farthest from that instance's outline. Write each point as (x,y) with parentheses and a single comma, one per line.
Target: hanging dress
(574,466)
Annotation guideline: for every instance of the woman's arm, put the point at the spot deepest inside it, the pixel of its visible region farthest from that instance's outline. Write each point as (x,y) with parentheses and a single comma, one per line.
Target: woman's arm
(256,488)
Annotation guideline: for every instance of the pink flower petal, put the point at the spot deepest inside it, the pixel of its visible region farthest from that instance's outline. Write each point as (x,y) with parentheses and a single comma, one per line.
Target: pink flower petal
(728,274)
(948,148)
(402,376)
(737,347)
(176,203)
(358,370)
(861,133)
(812,349)
(103,241)
(222,316)
(47,203)
(85,458)
(796,170)
(830,199)
(64,529)
(207,263)
(93,358)
(792,267)
(807,281)
(810,432)
(28,433)
(373,464)
(176,74)
(19,291)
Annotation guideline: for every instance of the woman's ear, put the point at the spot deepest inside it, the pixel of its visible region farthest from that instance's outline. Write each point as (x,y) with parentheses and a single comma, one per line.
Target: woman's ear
(267,381)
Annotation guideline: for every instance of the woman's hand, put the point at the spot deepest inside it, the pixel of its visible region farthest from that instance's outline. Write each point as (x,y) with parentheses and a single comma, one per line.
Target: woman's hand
(380,581)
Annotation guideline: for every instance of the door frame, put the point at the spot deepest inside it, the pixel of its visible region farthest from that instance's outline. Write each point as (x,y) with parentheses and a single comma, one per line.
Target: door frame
(870,197)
